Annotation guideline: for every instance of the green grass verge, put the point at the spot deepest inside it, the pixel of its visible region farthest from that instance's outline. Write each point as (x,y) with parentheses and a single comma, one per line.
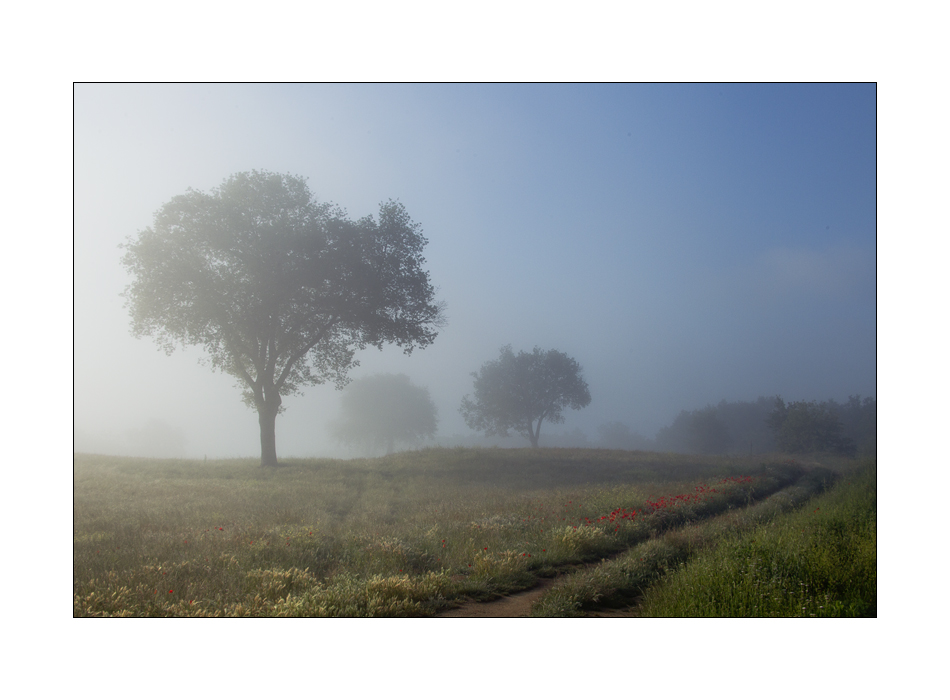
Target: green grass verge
(818,562)
(795,553)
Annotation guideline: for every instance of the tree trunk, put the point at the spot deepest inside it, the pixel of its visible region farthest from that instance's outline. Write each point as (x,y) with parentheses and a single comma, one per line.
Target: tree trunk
(268,422)
(534,435)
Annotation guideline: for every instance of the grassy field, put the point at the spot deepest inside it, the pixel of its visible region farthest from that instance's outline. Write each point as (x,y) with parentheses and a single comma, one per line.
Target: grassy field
(817,561)
(804,551)
(415,533)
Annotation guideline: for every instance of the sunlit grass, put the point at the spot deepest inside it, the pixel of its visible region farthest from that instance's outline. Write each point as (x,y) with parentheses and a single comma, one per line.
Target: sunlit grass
(403,535)
(820,561)
(620,581)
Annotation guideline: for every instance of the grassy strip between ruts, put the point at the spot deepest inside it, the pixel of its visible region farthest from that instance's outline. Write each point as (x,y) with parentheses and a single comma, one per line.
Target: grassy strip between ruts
(776,558)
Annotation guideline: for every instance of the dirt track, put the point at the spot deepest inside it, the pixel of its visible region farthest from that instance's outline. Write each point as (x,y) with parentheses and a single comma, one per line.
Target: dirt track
(516,605)
(519,604)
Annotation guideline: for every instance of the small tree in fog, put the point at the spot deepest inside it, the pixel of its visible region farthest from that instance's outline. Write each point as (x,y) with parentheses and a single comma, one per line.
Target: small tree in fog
(519,392)
(384,410)
(279,289)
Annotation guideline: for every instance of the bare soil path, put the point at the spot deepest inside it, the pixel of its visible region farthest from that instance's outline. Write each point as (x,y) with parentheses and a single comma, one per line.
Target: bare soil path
(515,605)
(519,604)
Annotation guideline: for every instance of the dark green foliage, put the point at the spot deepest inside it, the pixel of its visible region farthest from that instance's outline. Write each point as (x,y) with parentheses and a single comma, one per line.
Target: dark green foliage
(808,426)
(859,423)
(759,426)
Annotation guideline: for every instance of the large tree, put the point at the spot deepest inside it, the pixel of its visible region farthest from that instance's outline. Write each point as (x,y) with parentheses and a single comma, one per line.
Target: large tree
(279,289)
(519,392)
(384,410)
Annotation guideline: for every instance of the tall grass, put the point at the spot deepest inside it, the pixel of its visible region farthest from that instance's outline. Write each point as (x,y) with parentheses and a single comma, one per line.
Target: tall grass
(403,535)
(620,581)
(820,561)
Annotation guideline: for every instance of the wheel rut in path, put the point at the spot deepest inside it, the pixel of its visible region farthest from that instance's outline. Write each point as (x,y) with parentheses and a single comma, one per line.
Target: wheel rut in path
(514,605)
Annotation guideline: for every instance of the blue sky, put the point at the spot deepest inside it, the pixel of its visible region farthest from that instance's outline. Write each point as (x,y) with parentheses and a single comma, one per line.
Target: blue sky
(685,243)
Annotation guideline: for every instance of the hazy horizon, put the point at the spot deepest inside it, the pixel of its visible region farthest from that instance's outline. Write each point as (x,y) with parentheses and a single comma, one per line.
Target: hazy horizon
(686,244)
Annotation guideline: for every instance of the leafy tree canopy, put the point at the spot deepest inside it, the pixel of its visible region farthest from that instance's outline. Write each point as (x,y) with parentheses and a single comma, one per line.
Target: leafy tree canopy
(279,289)
(519,392)
(808,426)
(760,426)
(384,410)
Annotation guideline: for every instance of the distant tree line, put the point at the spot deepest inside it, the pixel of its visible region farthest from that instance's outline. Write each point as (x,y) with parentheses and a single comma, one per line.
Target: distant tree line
(768,424)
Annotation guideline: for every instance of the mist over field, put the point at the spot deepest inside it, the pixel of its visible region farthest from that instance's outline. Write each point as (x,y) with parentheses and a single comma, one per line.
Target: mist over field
(685,244)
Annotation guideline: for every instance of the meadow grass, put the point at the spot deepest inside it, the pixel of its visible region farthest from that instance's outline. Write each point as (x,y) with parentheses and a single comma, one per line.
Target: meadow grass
(820,561)
(407,534)
(620,581)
